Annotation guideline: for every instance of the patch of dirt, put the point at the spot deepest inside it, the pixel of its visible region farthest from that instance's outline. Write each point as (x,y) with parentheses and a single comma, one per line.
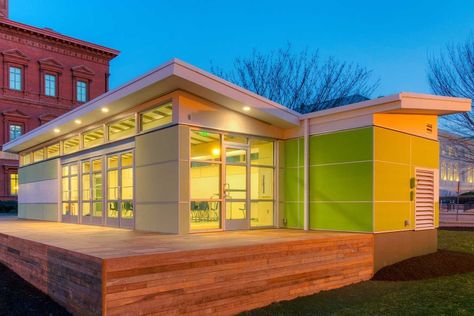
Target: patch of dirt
(18,297)
(438,264)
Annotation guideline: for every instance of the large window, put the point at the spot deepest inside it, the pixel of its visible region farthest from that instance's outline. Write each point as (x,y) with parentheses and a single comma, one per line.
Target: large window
(15,131)
(156,117)
(93,138)
(70,190)
(52,151)
(13,184)
(122,129)
(15,78)
(38,155)
(49,85)
(71,145)
(81,91)
(205,180)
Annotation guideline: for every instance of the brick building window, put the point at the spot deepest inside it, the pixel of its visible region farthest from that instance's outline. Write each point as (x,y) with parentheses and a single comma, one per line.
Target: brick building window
(81,91)
(13,183)
(15,131)
(49,85)
(15,80)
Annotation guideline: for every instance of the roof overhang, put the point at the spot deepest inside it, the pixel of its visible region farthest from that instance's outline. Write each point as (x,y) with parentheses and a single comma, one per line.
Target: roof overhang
(171,76)
(401,103)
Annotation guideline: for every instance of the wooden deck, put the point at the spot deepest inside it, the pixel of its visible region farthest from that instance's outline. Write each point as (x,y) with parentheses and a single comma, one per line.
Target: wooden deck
(98,270)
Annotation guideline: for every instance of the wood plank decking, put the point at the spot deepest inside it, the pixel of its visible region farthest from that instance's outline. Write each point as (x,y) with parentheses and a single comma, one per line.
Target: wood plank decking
(98,270)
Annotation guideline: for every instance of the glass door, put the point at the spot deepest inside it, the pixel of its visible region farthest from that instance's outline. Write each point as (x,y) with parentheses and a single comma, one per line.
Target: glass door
(235,187)
(92,191)
(120,190)
(70,193)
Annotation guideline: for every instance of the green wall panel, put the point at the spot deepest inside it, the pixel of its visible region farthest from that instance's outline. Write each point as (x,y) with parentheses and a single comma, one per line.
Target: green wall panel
(351,145)
(294,153)
(45,170)
(342,182)
(294,214)
(294,184)
(341,216)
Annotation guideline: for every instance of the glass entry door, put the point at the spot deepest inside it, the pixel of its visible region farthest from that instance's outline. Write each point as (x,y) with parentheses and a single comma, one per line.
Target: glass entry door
(120,192)
(235,187)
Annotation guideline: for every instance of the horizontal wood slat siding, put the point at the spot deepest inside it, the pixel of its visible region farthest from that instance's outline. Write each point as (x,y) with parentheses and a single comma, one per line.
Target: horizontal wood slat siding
(232,280)
(72,279)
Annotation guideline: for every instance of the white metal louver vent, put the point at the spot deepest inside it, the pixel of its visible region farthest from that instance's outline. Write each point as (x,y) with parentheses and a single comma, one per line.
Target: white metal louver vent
(424,199)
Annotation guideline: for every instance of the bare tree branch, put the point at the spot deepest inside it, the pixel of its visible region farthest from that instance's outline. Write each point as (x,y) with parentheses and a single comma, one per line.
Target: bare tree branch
(299,80)
(451,73)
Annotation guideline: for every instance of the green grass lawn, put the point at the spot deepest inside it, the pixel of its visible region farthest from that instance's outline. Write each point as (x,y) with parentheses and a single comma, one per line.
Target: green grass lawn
(452,295)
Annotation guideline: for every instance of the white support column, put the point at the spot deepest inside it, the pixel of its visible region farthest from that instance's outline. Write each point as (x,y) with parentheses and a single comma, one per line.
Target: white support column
(306,175)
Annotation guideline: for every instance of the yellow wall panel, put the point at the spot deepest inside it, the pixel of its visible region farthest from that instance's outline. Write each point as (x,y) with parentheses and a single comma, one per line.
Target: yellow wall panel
(391,146)
(415,124)
(425,153)
(396,156)
(392,216)
(392,182)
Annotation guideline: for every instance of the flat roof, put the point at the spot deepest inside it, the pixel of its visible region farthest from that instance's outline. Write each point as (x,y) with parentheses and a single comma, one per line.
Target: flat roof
(403,103)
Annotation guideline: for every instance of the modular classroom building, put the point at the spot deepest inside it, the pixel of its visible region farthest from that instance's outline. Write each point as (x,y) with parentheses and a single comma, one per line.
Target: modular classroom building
(179,150)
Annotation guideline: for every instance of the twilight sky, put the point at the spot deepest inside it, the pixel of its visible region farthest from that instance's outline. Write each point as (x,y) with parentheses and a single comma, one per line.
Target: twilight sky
(393,38)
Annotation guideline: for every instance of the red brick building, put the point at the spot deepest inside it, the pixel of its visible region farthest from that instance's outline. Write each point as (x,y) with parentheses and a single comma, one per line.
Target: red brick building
(43,75)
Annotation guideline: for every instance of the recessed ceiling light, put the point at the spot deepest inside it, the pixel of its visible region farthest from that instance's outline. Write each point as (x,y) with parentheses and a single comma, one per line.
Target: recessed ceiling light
(56,130)
(78,121)
(105,110)
(246,108)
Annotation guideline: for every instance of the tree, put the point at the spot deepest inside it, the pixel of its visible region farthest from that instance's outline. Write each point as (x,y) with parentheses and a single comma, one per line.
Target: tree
(301,81)
(451,73)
